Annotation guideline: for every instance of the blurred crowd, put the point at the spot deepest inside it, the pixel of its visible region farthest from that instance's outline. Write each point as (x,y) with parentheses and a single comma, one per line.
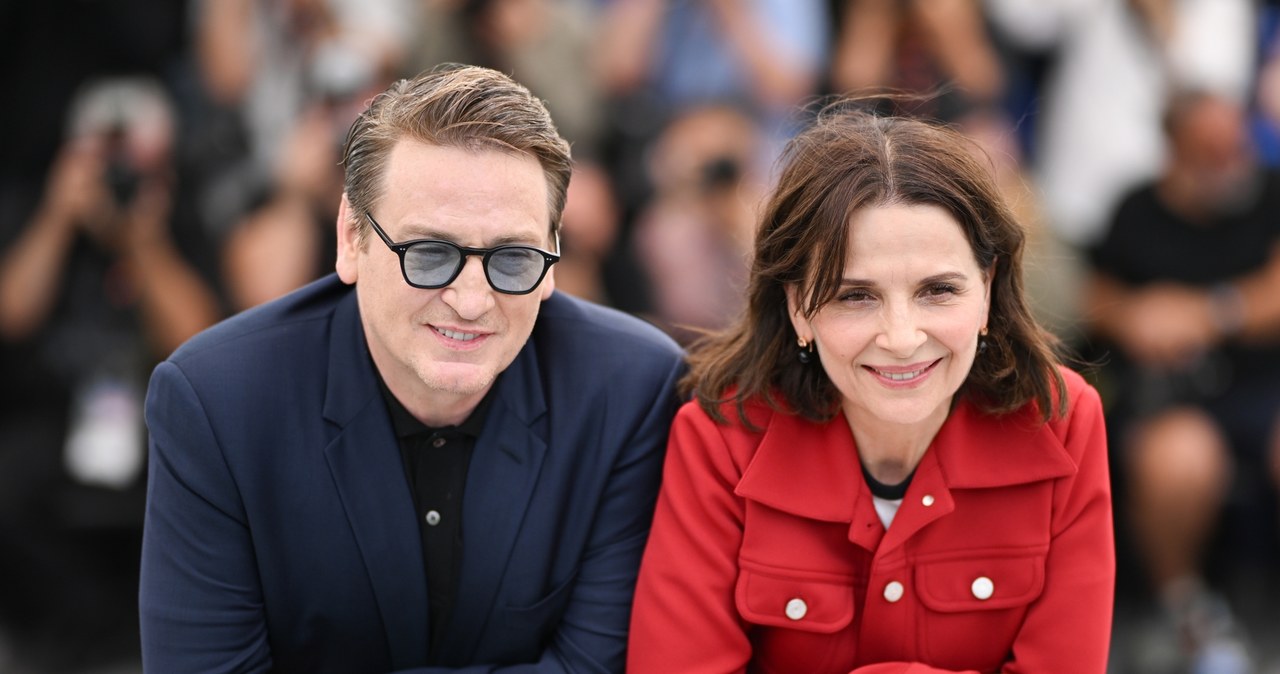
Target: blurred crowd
(171,162)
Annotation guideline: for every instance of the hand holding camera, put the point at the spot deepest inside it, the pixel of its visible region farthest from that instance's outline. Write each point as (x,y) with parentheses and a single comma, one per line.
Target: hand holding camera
(112,180)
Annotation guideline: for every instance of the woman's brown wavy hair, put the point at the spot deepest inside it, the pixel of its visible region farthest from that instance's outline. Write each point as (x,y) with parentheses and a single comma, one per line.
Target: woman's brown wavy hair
(850,159)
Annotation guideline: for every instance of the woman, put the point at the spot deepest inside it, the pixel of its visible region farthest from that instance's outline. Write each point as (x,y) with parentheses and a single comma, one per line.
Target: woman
(885,468)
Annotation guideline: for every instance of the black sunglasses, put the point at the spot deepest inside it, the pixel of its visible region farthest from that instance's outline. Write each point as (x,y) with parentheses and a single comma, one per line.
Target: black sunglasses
(432,263)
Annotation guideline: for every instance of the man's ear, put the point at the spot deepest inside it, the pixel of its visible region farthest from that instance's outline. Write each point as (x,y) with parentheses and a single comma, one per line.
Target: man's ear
(548,284)
(349,244)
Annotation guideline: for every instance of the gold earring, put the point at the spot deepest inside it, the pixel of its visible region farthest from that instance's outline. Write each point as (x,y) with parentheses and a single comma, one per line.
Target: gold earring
(806,351)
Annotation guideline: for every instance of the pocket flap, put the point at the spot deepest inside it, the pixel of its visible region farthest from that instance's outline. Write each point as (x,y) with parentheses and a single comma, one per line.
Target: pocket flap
(977,583)
(794,599)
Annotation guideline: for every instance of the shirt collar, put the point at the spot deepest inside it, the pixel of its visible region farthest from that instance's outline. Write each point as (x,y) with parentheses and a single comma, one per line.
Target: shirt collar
(406,425)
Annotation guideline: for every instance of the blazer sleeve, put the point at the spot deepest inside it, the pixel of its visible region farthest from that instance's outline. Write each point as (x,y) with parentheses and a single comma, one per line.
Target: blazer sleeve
(592,634)
(200,600)
(684,618)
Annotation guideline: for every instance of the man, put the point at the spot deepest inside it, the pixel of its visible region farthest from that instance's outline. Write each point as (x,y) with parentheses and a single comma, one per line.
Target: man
(430,462)
(1182,295)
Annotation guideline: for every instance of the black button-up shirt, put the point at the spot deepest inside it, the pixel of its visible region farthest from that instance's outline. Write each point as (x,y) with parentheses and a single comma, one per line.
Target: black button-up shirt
(435,464)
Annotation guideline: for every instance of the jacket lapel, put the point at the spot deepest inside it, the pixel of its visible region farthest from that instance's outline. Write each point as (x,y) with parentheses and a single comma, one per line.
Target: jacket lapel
(504,470)
(804,468)
(975,450)
(364,460)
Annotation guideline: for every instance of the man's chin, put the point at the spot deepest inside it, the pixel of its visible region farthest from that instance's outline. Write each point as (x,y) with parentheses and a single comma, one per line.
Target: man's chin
(457,379)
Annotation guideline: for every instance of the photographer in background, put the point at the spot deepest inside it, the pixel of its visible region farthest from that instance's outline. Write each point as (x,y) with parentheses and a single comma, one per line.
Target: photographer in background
(286,239)
(96,286)
(693,239)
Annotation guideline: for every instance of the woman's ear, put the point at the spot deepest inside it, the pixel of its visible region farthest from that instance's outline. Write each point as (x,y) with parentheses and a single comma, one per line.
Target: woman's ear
(795,312)
(989,283)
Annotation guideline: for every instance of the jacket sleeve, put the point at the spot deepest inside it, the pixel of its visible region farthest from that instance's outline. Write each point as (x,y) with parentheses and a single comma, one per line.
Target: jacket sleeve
(685,619)
(1069,627)
(200,601)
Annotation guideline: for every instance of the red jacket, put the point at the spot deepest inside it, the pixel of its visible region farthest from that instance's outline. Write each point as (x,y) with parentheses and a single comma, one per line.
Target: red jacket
(766,553)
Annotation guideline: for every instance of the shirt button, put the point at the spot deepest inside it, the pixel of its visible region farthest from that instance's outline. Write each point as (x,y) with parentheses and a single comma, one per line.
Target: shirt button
(433,517)
(796,609)
(983,588)
(927,500)
(438,443)
(893,592)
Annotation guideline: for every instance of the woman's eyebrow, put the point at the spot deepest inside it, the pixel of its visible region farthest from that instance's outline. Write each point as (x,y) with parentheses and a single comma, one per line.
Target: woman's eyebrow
(952,276)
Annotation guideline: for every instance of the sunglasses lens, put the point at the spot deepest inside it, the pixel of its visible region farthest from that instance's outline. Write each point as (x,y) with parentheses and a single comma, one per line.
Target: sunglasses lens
(515,269)
(511,269)
(431,264)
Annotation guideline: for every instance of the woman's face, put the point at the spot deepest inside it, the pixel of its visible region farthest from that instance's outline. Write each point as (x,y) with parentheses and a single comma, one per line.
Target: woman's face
(901,334)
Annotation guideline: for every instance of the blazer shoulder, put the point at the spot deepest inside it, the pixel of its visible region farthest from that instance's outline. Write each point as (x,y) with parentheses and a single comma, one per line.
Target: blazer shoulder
(590,334)
(271,330)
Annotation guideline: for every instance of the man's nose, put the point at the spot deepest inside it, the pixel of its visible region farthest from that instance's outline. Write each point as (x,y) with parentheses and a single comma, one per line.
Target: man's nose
(470,295)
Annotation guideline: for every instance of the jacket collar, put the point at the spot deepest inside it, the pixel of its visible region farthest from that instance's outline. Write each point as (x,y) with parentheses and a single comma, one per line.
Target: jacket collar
(811,469)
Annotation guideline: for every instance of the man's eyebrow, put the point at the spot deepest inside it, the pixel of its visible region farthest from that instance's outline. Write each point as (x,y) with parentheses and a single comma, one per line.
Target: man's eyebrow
(422,233)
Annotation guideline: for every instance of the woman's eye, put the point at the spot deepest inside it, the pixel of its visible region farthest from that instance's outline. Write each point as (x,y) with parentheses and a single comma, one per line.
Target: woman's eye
(940,290)
(855,296)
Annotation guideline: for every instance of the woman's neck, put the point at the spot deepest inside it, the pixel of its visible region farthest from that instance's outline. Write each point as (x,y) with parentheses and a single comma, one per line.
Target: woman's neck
(890,452)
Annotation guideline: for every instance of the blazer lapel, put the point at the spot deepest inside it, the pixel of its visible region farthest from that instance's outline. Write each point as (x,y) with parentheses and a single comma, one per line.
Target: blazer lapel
(364,459)
(504,471)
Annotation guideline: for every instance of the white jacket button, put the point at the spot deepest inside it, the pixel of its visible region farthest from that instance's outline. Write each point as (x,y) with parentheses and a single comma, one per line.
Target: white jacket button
(983,588)
(796,609)
(893,591)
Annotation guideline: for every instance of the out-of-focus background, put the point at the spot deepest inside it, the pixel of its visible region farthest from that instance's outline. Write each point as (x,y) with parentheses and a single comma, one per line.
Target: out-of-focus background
(169,162)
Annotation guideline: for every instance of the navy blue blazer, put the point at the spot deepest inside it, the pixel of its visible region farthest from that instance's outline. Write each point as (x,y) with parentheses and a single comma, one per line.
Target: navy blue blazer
(280,531)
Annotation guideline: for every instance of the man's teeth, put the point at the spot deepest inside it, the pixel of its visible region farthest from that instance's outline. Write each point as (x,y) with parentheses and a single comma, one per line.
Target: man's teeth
(463,336)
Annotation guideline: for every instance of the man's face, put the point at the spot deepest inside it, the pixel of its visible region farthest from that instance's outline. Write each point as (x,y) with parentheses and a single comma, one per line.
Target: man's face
(1211,147)
(440,350)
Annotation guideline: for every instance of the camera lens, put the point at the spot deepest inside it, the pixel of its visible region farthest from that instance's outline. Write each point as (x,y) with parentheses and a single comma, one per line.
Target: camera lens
(122,180)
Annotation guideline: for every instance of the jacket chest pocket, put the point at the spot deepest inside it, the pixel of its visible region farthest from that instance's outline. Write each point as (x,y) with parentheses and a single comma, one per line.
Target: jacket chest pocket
(800,618)
(973,606)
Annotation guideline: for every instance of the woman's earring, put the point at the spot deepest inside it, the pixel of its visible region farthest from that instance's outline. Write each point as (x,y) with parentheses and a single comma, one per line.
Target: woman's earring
(982,339)
(806,351)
